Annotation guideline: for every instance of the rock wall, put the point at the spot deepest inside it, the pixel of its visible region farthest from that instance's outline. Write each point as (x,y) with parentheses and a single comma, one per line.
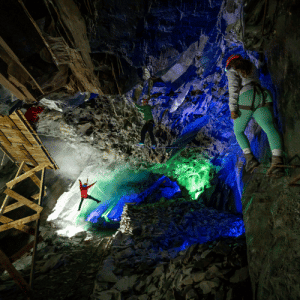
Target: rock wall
(270,207)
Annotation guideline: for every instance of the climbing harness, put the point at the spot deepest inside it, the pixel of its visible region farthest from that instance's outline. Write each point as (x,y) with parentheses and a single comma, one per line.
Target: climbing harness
(256,87)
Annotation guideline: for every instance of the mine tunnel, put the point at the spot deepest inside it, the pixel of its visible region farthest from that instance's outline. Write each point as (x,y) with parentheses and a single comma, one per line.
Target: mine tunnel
(149,150)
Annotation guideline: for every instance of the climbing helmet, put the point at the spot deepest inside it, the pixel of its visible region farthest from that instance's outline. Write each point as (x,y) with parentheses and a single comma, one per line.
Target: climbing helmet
(231,58)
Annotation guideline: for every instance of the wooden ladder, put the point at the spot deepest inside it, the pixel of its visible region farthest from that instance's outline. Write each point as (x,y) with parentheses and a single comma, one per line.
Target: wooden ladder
(8,223)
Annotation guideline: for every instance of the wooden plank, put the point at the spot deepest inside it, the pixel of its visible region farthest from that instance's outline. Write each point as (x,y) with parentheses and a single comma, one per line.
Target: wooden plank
(4,139)
(6,83)
(29,131)
(3,159)
(37,230)
(17,135)
(36,196)
(13,206)
(27,154)
(19,222)
(34,178)
(7,153)
(8,56)
(23,200)
(22,252)
(27,229)
(8,266)
(23,138)
(53,165)
(7,122)
(7,197)
(26,175)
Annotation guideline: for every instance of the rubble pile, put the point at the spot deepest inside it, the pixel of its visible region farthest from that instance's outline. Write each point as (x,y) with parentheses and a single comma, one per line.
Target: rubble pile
(61,263)
(110,124)
(146,261)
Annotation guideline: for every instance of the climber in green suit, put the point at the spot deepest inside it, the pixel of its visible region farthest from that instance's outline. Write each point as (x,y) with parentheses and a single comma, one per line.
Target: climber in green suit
(146,109)
(248,99)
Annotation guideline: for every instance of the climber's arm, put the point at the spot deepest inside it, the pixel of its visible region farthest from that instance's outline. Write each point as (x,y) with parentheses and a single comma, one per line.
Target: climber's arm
(91,185)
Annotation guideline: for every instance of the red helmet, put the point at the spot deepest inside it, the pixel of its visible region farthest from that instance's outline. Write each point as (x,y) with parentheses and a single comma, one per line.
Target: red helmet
(230,58)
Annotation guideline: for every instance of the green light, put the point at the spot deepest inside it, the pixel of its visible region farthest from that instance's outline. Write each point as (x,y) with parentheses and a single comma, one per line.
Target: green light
(191,170)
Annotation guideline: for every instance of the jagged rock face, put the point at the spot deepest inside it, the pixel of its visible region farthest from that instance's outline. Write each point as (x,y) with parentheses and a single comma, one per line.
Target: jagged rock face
(270,207)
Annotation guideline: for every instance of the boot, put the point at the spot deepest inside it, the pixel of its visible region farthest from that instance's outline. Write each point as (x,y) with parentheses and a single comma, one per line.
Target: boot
(276,171)
(251,162)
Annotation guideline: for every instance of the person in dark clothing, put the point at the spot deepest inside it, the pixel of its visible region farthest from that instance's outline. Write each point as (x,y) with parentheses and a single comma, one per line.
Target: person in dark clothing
(84,195)
(146,109)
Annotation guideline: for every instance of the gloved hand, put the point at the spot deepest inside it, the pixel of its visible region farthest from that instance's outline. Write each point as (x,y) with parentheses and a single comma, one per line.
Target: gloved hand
(234,115)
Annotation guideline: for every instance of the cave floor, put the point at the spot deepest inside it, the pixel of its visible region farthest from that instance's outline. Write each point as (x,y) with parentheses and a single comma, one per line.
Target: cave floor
(61,264)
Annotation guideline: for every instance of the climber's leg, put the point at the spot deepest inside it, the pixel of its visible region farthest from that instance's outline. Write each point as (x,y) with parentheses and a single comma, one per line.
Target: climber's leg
(150,129)
(80,203)
(92,198)
(143,133)
(239,127)
(264,118)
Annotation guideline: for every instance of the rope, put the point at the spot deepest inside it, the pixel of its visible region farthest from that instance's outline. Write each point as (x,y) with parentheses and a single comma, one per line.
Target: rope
(263,24)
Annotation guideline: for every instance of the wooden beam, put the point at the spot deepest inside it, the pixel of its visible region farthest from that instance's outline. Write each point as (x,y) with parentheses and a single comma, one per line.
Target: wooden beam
(23,200)
(13,128)
(27,229)
(13,206)
(22,252)
(27,154)
(6,83)
(12,159)
(8,266)
(19,222)
(20,115)
(8,123)
(36,196)
(26,175)
(37,230)
(33,177)
(3,159)
(4,139)
(7,197)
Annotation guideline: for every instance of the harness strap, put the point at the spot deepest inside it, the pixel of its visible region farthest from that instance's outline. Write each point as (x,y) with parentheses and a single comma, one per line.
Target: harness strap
(256,86)
(269,104)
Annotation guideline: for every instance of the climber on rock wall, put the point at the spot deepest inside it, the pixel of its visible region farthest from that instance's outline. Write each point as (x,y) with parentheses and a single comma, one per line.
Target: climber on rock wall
(146,109)
(246,99)
(84,195)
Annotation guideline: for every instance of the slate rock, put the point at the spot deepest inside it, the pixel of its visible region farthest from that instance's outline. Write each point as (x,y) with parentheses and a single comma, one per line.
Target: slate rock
(109,295)
(191,295)
(207,286)
(52,261)
(125,253)
(199,276)
(158,271)
(126,283)
(151,289)
(187,280)
(222,248)
(240,275)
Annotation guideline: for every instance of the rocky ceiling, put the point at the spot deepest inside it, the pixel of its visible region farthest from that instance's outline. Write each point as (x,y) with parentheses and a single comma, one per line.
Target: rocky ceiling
(54,51)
